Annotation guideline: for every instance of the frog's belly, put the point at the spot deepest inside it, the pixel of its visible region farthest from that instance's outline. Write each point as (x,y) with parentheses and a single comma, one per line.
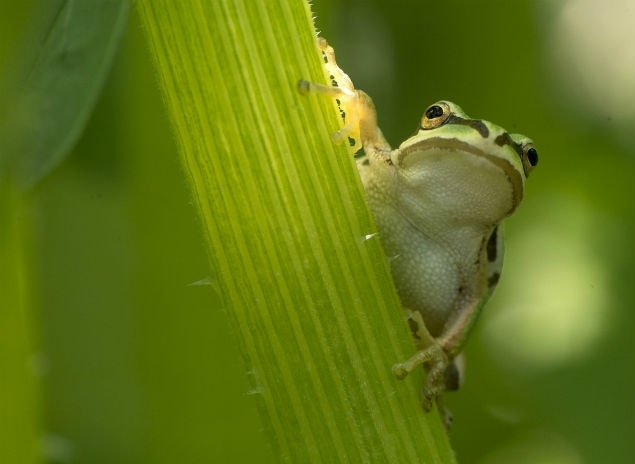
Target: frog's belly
(426,275)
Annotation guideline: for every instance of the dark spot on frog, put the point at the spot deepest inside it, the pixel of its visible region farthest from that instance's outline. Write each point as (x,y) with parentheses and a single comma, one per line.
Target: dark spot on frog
(505,139)
(493,279)
(492,249)
(339,106)
(414,328)
(476,124)
(452,378)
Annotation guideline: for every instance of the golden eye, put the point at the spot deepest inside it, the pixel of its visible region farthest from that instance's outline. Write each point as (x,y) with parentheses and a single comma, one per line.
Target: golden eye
(435,115)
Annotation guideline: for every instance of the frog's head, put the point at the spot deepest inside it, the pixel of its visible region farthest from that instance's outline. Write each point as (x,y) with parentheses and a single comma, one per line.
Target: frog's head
(468,167)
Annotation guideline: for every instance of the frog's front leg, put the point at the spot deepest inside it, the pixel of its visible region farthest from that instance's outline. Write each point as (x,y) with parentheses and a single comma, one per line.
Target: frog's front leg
(356,108)
(361,117)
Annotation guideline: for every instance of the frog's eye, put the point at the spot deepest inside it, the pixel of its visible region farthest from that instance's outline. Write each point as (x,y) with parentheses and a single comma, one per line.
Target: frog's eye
(529,158)
(435,115)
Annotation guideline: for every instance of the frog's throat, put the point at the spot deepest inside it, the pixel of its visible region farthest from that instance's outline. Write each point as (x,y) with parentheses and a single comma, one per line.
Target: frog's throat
(512,174)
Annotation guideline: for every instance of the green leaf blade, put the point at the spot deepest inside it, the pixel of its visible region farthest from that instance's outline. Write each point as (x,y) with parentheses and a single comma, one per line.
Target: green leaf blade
(285,221)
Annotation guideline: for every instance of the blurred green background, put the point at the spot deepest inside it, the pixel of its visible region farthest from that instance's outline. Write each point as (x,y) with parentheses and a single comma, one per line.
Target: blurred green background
(134,364)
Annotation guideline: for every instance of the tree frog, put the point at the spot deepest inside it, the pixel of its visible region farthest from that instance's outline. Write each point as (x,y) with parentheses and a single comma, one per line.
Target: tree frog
(438,202)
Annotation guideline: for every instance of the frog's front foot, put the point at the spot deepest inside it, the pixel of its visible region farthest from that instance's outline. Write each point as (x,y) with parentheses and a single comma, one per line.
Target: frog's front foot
(437,361)
(347,102)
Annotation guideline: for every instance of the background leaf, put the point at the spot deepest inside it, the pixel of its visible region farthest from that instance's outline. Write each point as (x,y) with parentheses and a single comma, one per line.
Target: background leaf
(55,99)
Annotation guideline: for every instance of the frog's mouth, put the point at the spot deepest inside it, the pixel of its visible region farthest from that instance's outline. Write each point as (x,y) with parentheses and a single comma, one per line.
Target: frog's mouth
(453,156)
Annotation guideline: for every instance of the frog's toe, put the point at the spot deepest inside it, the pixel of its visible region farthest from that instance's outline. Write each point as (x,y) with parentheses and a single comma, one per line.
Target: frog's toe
(304,87)
(427,398)
(400,371)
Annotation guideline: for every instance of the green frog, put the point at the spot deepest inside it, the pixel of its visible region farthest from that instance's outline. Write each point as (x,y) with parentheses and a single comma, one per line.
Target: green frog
(438,202)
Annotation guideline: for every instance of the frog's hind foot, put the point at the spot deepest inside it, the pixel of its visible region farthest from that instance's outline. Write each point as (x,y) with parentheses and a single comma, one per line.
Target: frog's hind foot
(446,415)
(437,361)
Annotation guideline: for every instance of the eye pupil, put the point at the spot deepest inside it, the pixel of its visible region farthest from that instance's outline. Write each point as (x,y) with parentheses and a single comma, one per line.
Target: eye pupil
(434,112)
(532,156)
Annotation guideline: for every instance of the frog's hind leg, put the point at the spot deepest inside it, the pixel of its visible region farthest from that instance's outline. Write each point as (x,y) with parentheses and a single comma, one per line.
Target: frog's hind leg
(430,354)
